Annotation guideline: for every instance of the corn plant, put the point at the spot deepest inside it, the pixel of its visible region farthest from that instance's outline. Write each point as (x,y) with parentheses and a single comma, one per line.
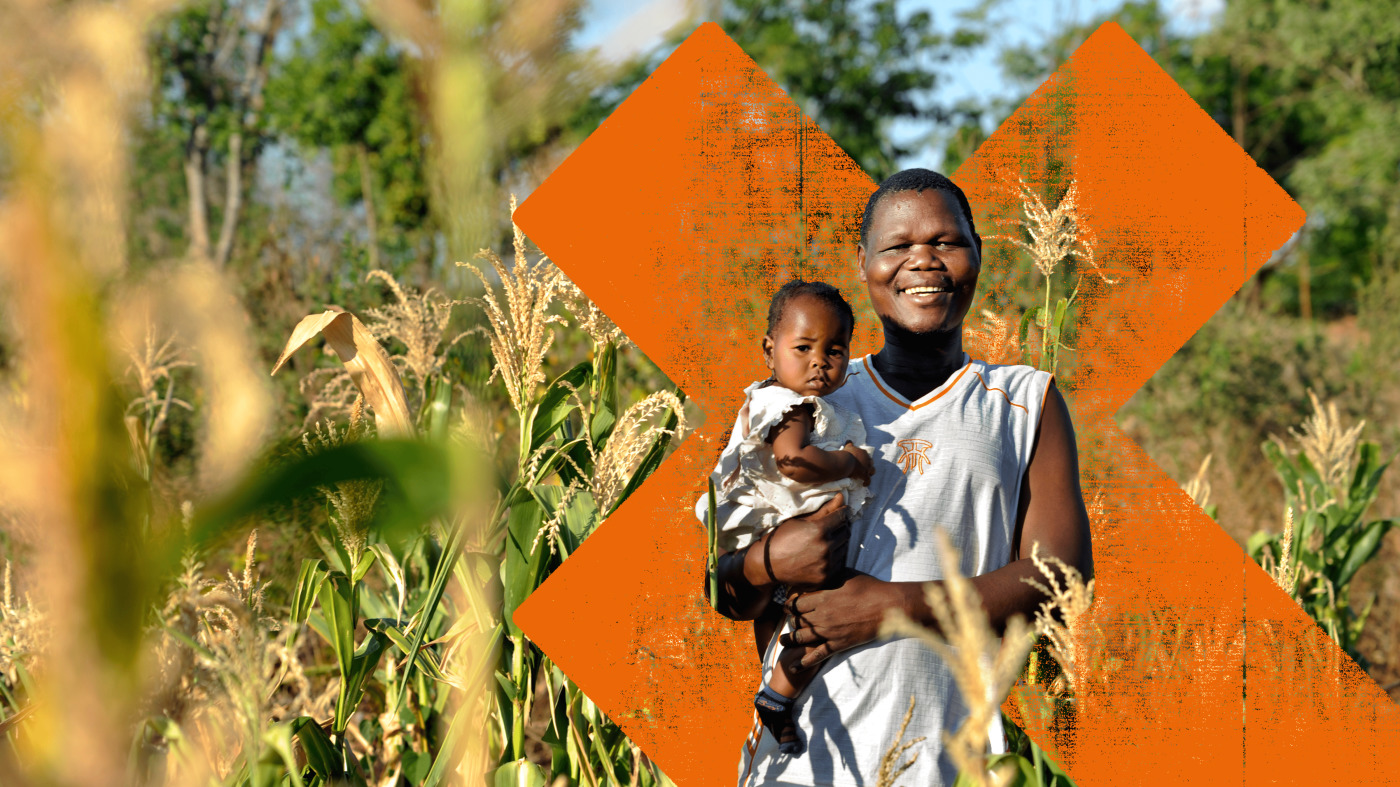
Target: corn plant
(1329,483)
(580,456)
(1055,235)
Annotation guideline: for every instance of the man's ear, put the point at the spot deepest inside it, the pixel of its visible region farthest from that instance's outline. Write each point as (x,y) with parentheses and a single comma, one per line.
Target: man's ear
(860,259)
(768,351)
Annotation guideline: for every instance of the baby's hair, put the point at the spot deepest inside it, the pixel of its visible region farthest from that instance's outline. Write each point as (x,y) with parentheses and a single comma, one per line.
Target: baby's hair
(913,180)
(817,289)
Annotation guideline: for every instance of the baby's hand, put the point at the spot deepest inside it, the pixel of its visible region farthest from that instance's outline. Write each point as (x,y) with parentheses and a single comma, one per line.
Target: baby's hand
(864,467)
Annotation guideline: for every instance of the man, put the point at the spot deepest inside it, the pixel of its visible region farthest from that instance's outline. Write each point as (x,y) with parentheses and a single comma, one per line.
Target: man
(985,453)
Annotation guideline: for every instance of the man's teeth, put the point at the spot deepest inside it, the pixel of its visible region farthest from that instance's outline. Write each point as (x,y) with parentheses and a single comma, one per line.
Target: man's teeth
(926,290)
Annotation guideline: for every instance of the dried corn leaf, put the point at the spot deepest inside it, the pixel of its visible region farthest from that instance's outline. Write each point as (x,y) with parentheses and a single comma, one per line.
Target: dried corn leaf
(368,364)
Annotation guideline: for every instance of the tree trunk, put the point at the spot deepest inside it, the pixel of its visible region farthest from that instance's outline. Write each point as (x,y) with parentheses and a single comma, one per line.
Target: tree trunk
(367,196)
(196,152)
(233,199)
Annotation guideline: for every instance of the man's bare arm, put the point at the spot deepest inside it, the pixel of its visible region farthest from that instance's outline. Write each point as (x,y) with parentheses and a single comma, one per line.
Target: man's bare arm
(1052,514)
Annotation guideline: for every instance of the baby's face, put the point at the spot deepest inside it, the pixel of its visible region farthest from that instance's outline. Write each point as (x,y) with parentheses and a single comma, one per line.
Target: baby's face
(809,349)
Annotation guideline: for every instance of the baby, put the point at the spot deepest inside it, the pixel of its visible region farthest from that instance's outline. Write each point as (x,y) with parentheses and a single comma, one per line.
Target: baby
(797,452)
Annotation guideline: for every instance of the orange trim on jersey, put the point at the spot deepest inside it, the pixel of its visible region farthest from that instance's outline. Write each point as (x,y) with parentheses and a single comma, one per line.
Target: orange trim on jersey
(752,745)
(875,378)
(1004,393)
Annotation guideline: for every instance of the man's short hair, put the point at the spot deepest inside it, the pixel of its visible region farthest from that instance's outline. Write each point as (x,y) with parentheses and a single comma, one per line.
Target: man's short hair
(913,180)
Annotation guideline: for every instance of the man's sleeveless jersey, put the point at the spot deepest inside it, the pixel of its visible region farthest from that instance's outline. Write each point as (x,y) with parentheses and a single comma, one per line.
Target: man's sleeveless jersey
(952,460)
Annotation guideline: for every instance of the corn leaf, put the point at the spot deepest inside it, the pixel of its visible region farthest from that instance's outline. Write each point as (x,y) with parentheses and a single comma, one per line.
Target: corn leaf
(313,573)
(1283,466)
(1024,329)
(652,460)
(436,408)
(338,606)
(392,630)
(556,404)
(1363,549)
(604,391)
(362,665)
(1366,480)
(279,738)
(369,366)
(524,565)
(579,518)
(366,562)
(437,584)
(447,754)
(320,753)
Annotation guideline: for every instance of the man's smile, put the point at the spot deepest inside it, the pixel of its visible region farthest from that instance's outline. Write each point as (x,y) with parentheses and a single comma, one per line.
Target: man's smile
(928,294)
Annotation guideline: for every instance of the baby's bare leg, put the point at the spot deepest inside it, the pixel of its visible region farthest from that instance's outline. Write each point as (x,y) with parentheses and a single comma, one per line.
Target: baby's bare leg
(774,702)
(765,628)
(789,678)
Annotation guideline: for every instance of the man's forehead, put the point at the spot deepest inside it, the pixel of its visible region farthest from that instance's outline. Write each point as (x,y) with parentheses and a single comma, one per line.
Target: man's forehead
(902,208)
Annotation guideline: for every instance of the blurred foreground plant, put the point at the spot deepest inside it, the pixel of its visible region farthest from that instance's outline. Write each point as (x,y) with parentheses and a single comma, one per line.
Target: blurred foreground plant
(983,667)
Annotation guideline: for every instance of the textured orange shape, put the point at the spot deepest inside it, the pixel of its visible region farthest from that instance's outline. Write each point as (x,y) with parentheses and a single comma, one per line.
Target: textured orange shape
(707,188)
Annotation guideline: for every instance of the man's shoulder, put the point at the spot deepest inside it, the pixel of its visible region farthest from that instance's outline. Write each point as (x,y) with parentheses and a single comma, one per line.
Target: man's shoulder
(1008,372)
(1019,384)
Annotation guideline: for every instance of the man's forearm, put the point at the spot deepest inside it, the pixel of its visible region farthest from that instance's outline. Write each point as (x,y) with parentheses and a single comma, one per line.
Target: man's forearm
(1003,592)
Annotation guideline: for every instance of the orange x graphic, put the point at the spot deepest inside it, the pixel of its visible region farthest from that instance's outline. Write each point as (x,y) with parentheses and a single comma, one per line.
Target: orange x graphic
(708,187)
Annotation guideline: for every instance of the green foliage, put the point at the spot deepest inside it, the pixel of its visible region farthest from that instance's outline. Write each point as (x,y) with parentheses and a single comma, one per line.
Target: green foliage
(854,67)
(347,89)
(1027,764)
(1330,538)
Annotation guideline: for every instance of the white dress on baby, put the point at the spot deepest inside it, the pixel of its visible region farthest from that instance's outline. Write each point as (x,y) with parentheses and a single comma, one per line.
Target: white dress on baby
(747,474)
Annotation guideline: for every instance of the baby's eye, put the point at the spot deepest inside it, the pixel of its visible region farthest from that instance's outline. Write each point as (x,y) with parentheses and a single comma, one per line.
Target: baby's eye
(802,348)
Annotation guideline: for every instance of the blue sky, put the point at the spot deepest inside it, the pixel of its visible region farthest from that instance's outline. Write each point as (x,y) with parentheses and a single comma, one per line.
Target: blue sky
(622,27)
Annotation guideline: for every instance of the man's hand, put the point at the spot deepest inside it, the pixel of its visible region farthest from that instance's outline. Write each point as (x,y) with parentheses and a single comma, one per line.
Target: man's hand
(865,468)
(826,622)
(805,551)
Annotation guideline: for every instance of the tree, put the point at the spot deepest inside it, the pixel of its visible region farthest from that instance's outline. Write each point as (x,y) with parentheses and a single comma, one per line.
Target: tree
(348,89)
(854,67)
(211,62)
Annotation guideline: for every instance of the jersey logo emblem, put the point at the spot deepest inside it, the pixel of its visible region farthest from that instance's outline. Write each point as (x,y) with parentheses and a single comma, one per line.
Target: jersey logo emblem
(913,454)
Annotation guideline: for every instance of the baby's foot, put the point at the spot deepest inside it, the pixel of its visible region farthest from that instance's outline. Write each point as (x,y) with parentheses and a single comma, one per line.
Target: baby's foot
(775,711)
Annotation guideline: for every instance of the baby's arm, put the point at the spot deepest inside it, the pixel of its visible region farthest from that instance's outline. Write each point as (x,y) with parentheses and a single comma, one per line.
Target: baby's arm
(807,464)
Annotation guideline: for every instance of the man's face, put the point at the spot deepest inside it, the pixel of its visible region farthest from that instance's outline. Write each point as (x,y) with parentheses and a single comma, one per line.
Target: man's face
(920,262)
